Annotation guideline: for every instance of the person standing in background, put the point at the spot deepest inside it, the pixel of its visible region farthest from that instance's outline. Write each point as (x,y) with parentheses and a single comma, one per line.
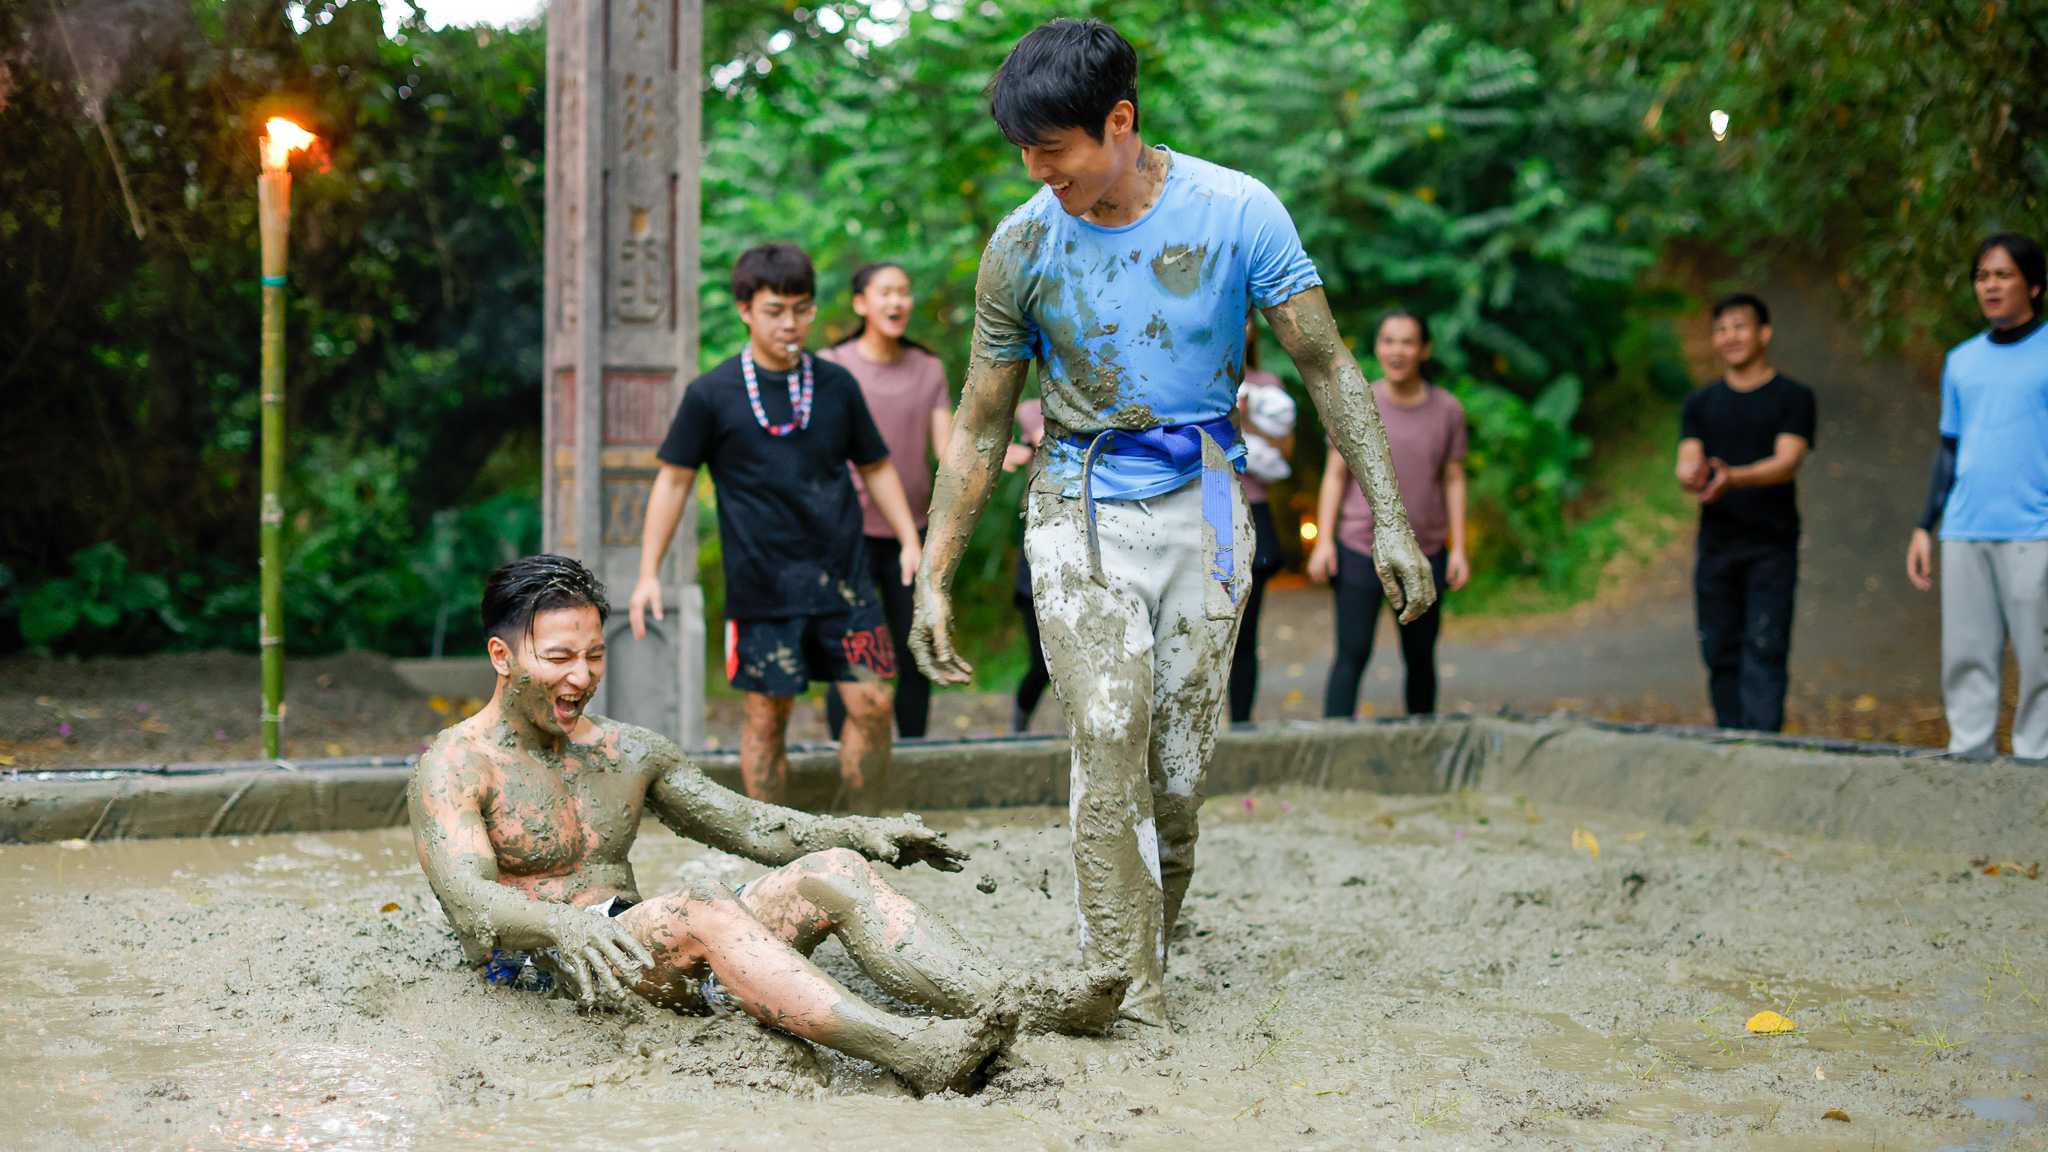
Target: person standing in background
(1989,493)
(1742,439)
(1426,435)
(1266,412)
(905,387)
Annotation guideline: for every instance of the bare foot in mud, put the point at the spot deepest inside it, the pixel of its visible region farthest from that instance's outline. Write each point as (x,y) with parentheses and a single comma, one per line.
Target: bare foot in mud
(951,1054)
(1082,1003)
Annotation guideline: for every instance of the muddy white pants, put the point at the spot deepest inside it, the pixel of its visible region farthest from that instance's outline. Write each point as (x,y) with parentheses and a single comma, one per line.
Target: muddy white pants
(1140,663)
(1992,591)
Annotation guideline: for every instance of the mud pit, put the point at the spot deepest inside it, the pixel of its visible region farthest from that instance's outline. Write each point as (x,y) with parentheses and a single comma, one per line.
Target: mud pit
(1359,970)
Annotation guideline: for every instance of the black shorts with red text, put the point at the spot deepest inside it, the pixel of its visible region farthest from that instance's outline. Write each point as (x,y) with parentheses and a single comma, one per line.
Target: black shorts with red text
(782,657)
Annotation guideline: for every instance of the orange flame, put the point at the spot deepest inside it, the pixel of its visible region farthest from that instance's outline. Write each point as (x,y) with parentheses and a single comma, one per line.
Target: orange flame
(280,137)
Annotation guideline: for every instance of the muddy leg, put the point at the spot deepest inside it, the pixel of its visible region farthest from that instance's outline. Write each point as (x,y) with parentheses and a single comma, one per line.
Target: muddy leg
(912,952)
(1191,668)
(864,745)
(775,984)
(1098,645)
(764,761)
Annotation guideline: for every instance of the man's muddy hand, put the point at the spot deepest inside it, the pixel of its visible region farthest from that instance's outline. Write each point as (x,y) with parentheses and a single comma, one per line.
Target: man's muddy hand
(1404,571)
(931,637)
(593,952)
(903,841)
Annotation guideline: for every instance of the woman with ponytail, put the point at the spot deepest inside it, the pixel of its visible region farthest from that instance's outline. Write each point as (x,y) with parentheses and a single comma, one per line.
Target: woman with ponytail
(906,392)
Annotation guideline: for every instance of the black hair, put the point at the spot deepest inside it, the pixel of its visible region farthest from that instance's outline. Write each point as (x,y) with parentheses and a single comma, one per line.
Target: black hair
(862,277)
(1065,74)
(2025,253)
(516,593)
(1747,300)
(780,268)
(1421,325)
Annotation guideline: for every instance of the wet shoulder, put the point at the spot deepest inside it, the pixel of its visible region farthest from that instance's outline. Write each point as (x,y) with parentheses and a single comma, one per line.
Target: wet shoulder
(638,750)
(1211,178)
(461,758)
(1020,239)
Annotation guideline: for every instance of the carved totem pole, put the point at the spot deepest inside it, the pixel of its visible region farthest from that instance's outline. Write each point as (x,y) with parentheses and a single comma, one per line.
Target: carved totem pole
(623,122)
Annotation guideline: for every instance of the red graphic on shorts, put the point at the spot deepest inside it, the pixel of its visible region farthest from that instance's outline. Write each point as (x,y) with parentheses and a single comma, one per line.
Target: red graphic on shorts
(871,650)
(732,649)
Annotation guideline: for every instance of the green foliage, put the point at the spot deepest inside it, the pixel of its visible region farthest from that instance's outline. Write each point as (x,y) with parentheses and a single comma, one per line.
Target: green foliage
(101,606)
(1522,464)
(130,362)
(1881,140)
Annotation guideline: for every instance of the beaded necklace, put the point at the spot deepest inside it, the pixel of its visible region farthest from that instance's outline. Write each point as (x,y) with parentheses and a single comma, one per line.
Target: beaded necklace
(799,395)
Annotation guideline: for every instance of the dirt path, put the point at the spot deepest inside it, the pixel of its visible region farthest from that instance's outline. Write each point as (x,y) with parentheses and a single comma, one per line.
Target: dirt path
(1438,972)
(1865,644)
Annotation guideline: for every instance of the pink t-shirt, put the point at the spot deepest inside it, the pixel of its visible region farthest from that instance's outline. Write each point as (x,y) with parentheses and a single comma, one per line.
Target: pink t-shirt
(901,397)
(1422,439)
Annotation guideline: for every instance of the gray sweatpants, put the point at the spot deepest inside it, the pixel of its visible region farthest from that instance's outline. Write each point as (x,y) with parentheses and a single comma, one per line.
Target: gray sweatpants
(1992,591)
(1140,663)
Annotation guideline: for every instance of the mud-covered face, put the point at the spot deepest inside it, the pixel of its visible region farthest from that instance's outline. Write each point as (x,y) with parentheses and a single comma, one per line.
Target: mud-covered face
(779,326)
(1079,168)
(885,303)
(1739,338)
(2002,291)
(552,674)
(1400,349)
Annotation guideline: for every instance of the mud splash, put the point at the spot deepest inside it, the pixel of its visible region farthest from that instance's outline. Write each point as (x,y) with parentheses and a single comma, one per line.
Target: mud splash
(1353,970)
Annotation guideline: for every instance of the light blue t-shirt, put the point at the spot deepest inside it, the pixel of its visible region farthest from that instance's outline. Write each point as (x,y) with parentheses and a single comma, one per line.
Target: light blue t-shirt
(1994,401)
(1139,326)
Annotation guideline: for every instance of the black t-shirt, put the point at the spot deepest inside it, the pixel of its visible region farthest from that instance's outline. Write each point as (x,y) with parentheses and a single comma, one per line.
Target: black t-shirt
(1742,428)
(789,522)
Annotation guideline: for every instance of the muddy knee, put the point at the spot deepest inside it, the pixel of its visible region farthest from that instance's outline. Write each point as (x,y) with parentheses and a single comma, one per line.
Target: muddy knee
(1175,817)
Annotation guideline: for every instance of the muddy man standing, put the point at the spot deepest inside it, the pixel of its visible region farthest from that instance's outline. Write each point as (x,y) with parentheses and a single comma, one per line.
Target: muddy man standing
(1126,278)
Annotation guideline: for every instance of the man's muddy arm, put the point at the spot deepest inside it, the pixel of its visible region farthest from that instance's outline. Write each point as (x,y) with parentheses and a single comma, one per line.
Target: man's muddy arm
(1304,327)
(444,801)
(967,475)
(692,806)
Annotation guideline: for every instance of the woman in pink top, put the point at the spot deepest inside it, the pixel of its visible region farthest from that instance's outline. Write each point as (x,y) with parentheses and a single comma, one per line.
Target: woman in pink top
(905,388)
(1426,436)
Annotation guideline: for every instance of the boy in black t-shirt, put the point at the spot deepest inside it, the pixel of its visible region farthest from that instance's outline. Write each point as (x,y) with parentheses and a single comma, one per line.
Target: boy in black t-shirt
(1743,439)
(777,427)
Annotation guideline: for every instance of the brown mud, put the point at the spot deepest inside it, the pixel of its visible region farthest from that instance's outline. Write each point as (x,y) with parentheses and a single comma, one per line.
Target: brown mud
(1353,971)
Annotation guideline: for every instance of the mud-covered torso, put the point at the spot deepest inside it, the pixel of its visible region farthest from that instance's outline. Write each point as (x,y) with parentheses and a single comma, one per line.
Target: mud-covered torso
(1142,325)
(561,824)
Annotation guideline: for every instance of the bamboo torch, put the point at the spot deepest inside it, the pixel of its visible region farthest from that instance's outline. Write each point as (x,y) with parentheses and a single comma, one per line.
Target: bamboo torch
(273,208)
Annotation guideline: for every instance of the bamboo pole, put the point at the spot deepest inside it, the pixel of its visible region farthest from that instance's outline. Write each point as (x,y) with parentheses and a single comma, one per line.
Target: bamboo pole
(273,200)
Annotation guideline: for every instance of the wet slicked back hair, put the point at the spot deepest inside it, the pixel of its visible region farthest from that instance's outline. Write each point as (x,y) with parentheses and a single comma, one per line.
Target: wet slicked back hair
(780,268)
(1065,74)
(519,591)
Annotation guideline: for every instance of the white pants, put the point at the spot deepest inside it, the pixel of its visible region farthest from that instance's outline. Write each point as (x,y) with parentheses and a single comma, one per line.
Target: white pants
(1992,591)
(1140,663)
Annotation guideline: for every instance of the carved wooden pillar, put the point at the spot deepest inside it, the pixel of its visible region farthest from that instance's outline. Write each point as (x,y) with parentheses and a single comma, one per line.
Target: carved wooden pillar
(621,312)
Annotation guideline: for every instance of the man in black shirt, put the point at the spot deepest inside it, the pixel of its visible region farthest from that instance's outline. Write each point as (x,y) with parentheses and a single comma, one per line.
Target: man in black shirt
(1743,438)
(778,427)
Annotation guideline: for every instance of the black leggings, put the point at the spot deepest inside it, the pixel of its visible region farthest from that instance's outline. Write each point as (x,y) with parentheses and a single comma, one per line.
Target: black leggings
(1244,663)
(1032,687)
(1359,596)
(913,691)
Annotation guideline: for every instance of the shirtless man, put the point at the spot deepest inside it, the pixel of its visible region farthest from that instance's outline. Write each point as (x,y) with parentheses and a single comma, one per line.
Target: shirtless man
(1126,278)
(524,814)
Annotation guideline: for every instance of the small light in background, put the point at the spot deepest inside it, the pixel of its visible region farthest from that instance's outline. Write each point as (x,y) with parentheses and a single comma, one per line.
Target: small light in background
(1718,120)
(1308,530)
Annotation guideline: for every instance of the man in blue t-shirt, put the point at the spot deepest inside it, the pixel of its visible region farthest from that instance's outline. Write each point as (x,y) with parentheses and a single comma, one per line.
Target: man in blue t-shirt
(1127,279)
(1989,493)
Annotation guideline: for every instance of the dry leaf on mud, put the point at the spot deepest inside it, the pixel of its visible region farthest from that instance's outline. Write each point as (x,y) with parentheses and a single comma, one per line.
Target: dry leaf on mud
(1584,841)
(2012,868)
(391,907)
(1769,1023)
(1384,818)
(1835,1114)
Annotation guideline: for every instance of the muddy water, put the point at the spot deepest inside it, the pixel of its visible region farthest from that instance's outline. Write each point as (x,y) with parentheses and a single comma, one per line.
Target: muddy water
(1354,970)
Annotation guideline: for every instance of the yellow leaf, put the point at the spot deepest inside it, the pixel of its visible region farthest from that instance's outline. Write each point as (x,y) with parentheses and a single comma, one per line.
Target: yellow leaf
(440,704)
(1584,841)
(1769,1023)
(391,907)
(1836,1114)
(1634,836)
(1866,703)
(6,761)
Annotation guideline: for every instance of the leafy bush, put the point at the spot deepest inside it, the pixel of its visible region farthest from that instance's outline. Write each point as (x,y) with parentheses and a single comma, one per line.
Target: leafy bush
(100,607)
(1523,468)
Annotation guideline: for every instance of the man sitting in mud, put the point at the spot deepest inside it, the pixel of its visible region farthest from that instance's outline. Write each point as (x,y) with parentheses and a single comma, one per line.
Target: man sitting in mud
(523,816)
